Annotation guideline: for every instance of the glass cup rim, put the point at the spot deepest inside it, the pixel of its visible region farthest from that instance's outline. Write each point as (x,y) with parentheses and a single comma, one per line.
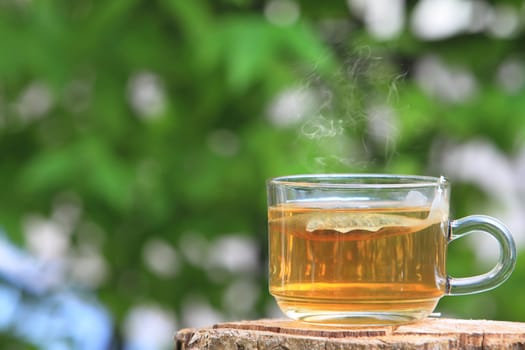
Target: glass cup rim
(359,181)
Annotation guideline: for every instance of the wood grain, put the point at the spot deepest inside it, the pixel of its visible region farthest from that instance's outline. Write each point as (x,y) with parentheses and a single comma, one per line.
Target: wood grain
(432,333)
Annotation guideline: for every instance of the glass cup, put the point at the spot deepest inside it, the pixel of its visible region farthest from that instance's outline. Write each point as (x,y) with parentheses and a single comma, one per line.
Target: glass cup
(369,249)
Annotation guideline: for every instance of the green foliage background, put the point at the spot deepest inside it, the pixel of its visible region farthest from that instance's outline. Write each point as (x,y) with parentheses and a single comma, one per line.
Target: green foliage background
(221,64)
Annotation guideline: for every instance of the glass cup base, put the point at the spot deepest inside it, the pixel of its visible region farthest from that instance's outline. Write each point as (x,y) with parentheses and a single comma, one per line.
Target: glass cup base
(360,319)
(358,315)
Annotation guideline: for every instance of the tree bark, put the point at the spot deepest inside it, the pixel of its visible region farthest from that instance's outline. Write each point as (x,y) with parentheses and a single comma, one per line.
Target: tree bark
(432,333)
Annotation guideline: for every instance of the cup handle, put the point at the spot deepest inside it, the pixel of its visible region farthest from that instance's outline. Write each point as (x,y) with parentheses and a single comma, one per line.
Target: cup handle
(507,257)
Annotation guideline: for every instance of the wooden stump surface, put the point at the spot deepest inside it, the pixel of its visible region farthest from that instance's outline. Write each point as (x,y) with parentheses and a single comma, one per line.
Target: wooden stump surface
(432,333)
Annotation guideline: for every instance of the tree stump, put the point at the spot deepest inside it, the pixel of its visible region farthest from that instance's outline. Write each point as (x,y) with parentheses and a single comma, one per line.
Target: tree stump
(432,333)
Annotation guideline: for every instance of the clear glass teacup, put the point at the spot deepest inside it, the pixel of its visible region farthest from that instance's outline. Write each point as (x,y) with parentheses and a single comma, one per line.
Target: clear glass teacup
(369,249)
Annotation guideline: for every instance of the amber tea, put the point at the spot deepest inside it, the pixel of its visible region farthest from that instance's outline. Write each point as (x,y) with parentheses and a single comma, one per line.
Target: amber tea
(327,261)
(349,249)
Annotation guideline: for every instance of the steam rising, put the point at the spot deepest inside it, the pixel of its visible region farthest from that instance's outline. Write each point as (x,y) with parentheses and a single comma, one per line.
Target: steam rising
(346,121)
(321,127)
